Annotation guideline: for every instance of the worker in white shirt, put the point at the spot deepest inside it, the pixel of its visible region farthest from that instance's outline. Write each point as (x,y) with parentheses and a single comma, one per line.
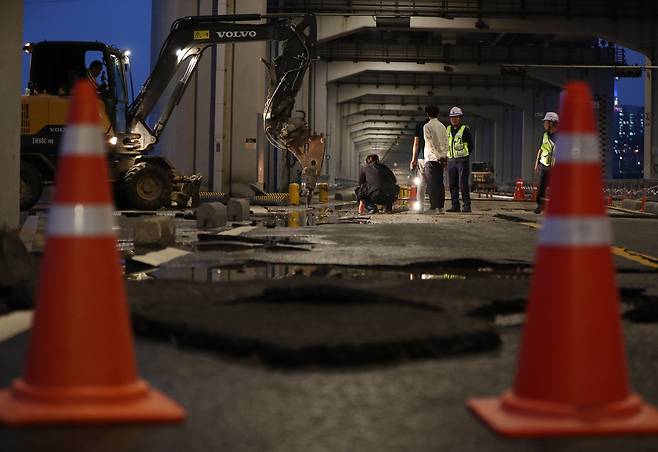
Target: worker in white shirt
(436,156)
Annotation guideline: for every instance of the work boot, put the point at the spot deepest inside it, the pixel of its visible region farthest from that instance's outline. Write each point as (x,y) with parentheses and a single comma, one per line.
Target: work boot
(453,209)
(440,211)
(538,209)
(466,210)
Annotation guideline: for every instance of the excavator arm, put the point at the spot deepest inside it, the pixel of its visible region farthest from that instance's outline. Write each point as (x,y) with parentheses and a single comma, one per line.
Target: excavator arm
(180,53)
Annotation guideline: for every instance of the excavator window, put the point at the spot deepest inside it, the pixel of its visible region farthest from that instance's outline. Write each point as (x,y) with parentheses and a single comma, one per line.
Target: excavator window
(96,70)
(54,67)
(120,93)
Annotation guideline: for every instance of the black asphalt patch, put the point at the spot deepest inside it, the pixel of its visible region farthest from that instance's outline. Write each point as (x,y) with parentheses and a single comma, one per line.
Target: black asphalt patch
(309,324)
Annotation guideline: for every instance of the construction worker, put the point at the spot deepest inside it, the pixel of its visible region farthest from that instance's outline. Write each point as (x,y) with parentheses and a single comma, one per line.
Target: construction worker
(417,163)
(545,156)
(377,185)
(460,145)
(93,72)
(436,149)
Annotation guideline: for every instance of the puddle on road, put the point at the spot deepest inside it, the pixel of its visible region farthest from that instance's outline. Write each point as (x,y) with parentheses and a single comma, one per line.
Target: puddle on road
(308,217)
(282,271)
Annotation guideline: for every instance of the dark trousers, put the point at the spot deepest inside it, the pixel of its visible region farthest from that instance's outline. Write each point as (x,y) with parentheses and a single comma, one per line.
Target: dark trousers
(544,176)
(458,174)
(435,190)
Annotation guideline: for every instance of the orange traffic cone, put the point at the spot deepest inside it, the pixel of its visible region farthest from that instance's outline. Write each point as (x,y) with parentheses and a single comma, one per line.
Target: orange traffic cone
(572,377)
(80,364)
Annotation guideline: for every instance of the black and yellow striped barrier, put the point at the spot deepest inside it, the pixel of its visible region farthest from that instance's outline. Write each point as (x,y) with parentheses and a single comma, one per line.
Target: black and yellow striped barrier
(212,196)
(271,199)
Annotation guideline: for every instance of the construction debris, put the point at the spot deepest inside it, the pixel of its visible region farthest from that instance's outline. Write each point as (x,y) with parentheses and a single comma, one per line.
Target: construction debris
(238,209)
(211,215)
(155,231)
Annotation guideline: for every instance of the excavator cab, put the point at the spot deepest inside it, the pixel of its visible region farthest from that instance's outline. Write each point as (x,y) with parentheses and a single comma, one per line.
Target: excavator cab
(54,68)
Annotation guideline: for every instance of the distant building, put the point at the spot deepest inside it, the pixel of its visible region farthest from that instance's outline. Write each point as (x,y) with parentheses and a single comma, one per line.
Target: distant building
(628,141)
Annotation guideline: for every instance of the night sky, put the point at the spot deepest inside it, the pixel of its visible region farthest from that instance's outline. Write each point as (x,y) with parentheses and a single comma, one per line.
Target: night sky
(126,24)
(631,90)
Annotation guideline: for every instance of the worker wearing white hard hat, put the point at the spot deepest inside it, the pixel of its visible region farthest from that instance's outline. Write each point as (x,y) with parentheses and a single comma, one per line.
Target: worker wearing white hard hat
(456,111)
(551,116)
(460,146)
(546,156)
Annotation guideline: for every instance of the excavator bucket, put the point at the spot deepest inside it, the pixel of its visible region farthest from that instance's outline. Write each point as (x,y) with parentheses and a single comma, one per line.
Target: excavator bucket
(311,153)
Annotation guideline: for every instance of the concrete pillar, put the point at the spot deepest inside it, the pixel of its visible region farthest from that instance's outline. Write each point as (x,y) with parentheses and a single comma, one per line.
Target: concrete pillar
(489,144)
(186,140)
(217,149)
(513,132)
(478,137)
(332,133)
(345,155)
(530,142)
(602,83)
(11,34)
(498,148)
(245,91)
(650,122)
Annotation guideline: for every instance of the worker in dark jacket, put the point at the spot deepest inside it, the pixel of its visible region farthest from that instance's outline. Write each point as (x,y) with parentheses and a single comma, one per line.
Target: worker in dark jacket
(377,185)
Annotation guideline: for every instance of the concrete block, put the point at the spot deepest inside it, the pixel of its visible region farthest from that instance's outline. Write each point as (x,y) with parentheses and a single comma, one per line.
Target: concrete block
(238,209)
(651,207)
(632,204)
(155,231)
(211,215)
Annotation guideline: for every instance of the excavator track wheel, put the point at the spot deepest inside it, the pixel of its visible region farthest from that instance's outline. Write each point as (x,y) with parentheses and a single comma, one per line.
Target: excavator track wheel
(147,186)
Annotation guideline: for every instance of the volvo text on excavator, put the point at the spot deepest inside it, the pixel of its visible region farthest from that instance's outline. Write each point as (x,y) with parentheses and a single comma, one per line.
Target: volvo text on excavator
(143,180)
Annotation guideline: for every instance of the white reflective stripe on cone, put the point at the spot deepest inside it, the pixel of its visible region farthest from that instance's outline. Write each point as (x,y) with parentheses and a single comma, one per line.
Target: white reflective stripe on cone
(576,148)
(575,231)
(82,140)
(80,220)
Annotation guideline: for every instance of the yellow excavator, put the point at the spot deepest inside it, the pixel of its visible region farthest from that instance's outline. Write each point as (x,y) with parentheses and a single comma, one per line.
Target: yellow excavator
(142,180)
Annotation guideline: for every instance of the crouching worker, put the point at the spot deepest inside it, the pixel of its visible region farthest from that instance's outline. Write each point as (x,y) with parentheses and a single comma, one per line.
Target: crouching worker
(377,185)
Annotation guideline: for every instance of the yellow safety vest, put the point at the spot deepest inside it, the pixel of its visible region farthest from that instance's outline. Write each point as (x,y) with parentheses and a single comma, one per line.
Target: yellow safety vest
(456,147)
(547,149)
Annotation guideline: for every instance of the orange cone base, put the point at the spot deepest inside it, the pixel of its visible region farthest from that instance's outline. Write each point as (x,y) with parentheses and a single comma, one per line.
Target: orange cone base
(23,404)
(514,417)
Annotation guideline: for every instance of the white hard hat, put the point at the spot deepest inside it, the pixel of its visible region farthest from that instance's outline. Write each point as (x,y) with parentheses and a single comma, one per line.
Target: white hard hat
(551,116)
(456,111)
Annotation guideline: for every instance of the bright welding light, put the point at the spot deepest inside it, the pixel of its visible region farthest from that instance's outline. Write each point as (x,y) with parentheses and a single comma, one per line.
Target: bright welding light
(113,141)
(126,53)
(417,206)
(417,180)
